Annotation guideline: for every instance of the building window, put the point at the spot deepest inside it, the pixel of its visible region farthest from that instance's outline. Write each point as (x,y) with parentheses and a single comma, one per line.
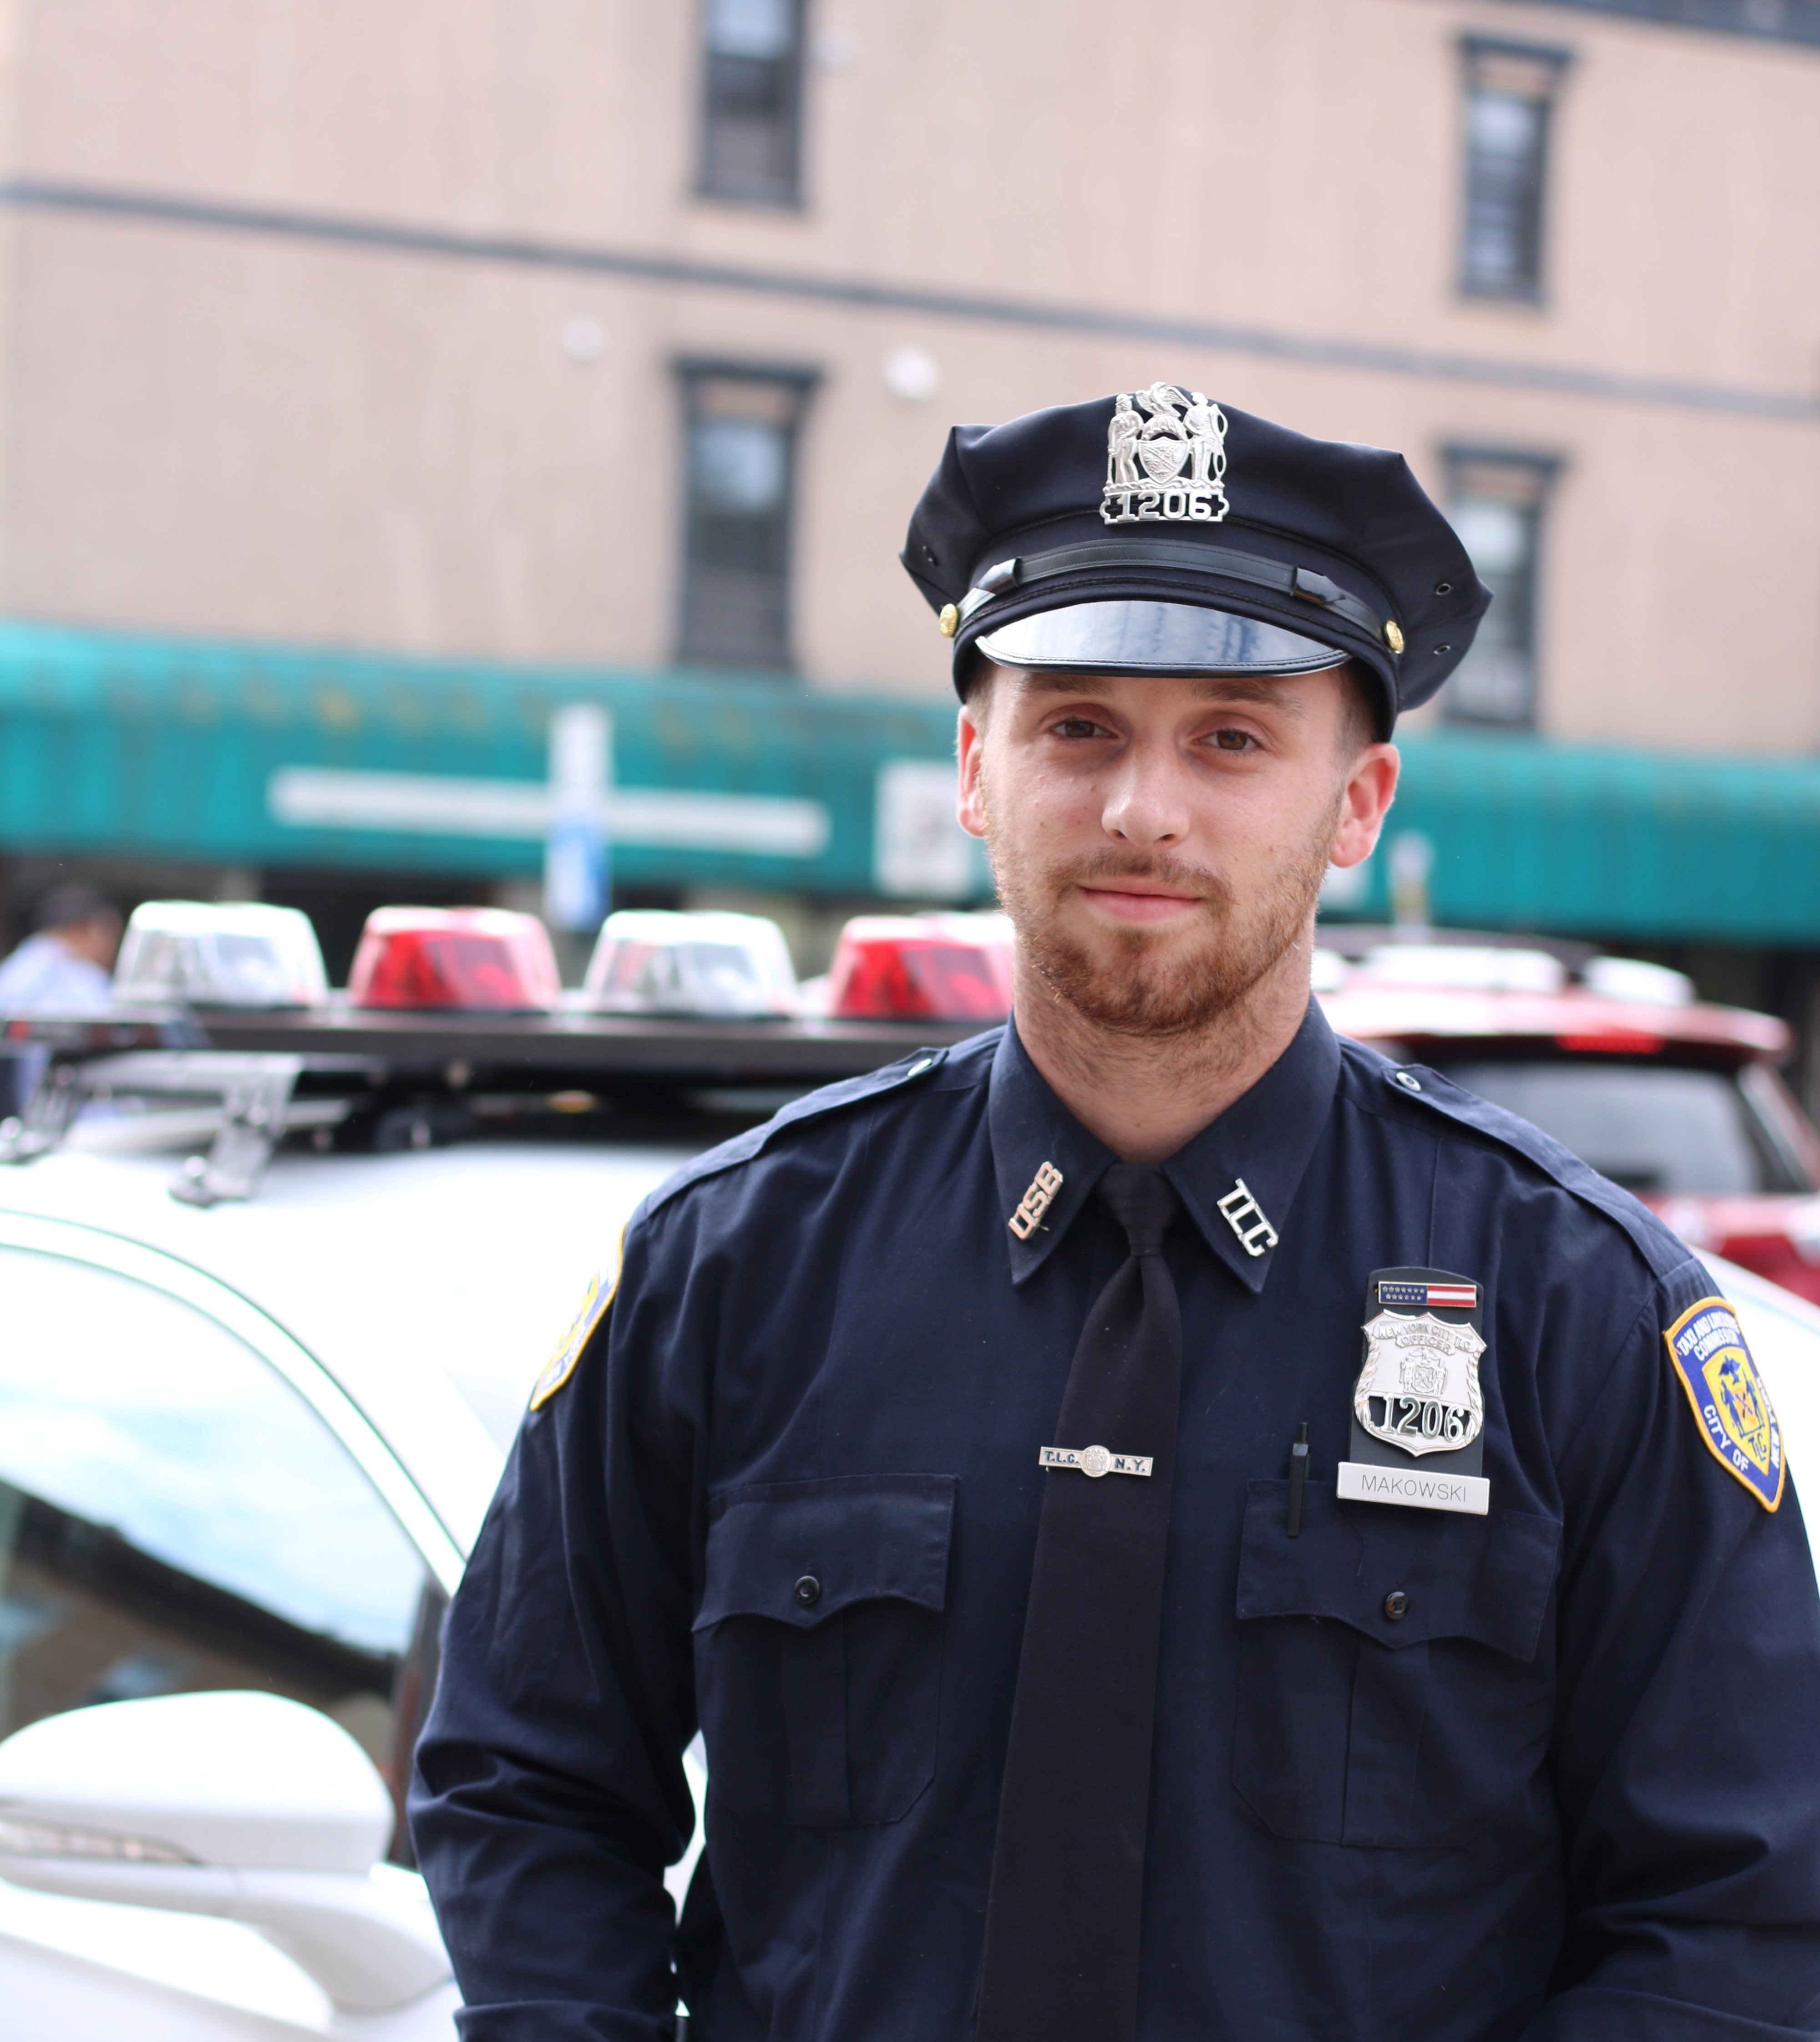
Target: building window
(1496,504)
(1509,98)
(741,433)
(752,102)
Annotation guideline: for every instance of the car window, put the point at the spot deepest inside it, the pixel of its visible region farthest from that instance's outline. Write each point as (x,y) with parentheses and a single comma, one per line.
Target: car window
(174,1517)
(1649,1127)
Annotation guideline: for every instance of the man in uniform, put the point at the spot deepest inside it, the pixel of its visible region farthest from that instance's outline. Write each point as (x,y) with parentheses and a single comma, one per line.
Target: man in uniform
(1095,1635)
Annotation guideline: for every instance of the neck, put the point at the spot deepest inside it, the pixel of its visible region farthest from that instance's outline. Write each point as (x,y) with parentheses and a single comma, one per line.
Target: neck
(1145,1096)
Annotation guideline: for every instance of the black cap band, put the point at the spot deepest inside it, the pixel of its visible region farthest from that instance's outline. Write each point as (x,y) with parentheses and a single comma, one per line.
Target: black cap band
(1200,563)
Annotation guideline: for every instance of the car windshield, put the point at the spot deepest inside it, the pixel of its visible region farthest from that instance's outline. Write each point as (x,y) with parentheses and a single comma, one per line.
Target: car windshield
(1650,1128)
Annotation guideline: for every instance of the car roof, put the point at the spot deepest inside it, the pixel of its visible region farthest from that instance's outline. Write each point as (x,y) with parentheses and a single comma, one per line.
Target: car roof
(1571,1020)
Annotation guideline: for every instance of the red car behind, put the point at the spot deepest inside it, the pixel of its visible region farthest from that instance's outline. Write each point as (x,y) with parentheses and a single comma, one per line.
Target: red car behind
(1679,1102)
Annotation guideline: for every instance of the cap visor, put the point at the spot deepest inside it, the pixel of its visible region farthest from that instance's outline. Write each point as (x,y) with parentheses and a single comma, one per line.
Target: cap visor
(1153,638)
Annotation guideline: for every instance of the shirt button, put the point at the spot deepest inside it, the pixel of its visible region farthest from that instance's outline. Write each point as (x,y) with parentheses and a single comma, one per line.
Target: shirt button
(808,1592)
(1408,1083)
(1395,1605)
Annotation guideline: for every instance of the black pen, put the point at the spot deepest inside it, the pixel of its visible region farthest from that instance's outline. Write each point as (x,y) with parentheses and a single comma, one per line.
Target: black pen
(1297,1477)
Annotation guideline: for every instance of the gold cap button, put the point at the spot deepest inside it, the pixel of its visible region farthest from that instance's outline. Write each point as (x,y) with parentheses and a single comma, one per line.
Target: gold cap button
(1394,635)
(950,620)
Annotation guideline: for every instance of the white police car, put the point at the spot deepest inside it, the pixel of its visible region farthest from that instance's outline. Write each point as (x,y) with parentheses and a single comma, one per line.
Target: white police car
(248,1432)
(243,1453)
(246,1444)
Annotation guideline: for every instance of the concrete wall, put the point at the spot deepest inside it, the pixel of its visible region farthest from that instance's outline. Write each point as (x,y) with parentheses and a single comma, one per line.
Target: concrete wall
(259,435)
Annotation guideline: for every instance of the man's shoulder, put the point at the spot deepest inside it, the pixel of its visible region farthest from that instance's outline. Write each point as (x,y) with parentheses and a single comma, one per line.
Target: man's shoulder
(1414,1096)
(42,974)
(834,1115)
(27,966)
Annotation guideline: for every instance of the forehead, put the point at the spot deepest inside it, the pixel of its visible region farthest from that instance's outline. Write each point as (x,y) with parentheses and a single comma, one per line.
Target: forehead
(1291,695)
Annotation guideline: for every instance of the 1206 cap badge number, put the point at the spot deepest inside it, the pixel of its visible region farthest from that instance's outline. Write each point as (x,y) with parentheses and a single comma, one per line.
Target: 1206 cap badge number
(1165,458)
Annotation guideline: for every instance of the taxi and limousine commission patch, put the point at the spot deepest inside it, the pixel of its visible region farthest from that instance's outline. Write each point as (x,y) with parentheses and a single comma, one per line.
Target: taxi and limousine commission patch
(592,1309)
(1707,1345)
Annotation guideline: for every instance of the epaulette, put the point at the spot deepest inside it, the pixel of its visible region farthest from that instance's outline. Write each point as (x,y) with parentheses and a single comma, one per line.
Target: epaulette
(1418,1086)
(817,1105)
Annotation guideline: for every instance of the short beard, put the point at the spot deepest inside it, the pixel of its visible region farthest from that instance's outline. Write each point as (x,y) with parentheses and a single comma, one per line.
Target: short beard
(1137,992)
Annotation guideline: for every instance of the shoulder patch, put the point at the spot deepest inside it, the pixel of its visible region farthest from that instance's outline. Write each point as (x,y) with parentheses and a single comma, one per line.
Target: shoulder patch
(1707,1345)
(812,1106)
(595,1299)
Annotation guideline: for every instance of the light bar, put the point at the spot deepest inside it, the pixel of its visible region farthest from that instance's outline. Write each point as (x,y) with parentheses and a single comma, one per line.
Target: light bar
(220,953)
(1466,967)
(938,967)
(648,961)
(473,958)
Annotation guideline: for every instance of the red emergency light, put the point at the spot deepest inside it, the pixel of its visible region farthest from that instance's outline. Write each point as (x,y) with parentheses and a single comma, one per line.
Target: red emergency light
(466,958)
(1612,1042)
(934,968)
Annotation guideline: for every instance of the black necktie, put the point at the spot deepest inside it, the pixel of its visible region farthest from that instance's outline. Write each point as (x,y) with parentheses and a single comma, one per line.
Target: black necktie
(1065,1910)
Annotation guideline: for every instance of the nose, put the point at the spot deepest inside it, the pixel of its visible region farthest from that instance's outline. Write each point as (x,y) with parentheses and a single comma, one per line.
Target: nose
(1146,802)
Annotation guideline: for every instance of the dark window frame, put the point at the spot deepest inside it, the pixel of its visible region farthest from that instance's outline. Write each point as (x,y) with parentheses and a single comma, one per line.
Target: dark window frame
(1758,21)
(1533,73)
(1532,478)
(788,388)
(724,76)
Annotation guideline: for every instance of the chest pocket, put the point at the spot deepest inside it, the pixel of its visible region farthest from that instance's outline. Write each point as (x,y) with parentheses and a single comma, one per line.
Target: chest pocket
(818,1646)
(1396,1677)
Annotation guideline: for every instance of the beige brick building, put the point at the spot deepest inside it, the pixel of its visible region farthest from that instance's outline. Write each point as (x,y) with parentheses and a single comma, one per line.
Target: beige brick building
(584,331)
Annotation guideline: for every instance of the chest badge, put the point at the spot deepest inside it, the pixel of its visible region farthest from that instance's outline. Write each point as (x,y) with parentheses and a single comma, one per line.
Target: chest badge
(1418,1388)
(1418,1411)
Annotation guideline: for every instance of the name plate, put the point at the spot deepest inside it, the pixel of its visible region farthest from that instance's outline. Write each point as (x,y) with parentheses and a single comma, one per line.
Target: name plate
(1360,1483)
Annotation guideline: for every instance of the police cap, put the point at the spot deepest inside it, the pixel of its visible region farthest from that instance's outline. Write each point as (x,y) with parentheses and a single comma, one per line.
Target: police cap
(1157,532)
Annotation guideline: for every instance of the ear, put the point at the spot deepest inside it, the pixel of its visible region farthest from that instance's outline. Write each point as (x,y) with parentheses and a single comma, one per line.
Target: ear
(969,743)
(1370,788)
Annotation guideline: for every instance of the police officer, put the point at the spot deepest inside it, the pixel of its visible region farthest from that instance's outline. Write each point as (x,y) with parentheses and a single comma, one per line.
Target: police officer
(1096,1636)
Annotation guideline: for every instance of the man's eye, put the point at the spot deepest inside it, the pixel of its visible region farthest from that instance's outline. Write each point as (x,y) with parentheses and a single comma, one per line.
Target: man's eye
(1076,726)
(1235,740)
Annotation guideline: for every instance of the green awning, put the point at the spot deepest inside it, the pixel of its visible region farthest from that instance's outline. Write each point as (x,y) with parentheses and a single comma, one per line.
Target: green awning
(1597,841)
(121,747)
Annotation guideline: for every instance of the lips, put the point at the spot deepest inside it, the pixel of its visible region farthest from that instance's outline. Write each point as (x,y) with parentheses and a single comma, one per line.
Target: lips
(1137,892)
(1135,902)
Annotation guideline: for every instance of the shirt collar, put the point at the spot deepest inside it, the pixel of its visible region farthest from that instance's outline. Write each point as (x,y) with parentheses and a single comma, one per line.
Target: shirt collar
(1237,1178)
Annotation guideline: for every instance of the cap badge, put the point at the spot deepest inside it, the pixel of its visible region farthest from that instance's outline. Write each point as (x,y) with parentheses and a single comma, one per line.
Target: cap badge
(1165,458)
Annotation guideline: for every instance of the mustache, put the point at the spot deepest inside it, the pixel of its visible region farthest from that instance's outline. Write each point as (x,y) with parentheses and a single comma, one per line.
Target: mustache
(1107,866)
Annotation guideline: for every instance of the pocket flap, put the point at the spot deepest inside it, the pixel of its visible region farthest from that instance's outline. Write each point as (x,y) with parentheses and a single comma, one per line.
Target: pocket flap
(859,1537)
(1486,1578)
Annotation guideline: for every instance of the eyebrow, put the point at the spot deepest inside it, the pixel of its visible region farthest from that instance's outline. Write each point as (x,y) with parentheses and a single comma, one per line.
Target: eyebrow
(1264,689)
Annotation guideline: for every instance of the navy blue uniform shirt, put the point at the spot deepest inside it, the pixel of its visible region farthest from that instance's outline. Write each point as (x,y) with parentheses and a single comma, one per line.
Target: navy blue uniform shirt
(1573,1792)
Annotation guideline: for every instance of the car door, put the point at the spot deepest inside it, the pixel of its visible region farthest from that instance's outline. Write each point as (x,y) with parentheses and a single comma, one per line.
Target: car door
(188,1501)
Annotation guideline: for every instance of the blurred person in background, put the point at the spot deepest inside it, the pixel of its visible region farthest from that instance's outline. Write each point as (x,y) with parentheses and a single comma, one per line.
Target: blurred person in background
(64,966)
